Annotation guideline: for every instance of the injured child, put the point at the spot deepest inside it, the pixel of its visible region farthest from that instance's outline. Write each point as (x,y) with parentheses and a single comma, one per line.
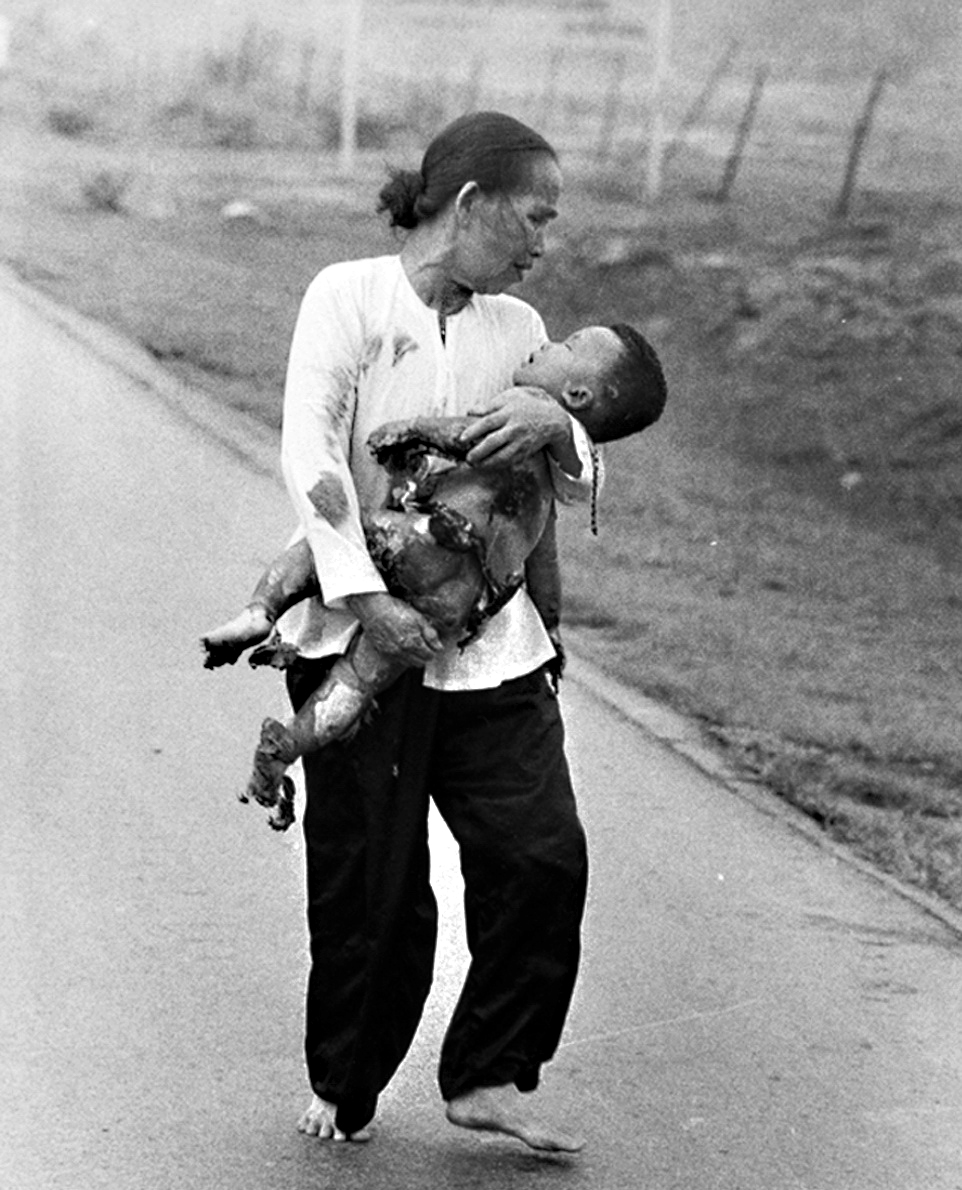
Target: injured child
(454,541)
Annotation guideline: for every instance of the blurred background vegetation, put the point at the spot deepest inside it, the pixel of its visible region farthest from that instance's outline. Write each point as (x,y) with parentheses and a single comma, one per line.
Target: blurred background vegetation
(237,75)
(781,555)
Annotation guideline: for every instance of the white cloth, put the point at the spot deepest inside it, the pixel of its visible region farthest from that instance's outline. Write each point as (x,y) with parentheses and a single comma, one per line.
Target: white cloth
(366,350)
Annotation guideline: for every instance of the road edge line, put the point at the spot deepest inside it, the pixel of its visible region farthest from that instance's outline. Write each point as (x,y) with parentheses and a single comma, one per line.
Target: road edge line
(686,738)
(242,434)
(257,444)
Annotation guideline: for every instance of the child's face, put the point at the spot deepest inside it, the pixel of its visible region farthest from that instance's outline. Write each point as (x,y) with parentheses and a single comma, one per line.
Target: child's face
(582,362)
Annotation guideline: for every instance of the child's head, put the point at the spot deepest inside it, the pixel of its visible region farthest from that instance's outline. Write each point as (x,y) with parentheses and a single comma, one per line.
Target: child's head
(608,377)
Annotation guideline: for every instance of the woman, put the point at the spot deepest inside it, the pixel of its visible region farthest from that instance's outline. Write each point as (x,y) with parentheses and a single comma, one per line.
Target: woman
(430,332)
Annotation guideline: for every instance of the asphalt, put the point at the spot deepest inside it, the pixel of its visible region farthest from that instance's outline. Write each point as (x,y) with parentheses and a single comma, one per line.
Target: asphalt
(757,1008)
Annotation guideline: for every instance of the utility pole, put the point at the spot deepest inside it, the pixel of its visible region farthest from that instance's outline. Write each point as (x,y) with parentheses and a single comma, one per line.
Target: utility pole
(4,42)
(657,139)
(351,64)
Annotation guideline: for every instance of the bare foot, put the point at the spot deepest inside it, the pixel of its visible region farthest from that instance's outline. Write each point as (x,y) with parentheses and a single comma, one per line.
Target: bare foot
(269,784)
(503,1109)
(318,1121)
(282,815)
(225,644)
(274,754)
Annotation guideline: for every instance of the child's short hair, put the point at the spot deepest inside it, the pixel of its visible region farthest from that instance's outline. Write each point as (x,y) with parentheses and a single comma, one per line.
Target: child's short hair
(641,385)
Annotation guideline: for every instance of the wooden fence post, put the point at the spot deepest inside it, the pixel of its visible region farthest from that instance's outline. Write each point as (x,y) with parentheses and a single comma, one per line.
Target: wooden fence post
(4,42)
(741,136)
(702,99)
(248,57)
(349,83)
(475,83)
(550,93)
(656,139)
(612,108)
(859,137)
(302,94)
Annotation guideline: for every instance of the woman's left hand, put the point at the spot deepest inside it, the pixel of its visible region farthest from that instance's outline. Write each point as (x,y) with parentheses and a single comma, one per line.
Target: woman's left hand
(519,423)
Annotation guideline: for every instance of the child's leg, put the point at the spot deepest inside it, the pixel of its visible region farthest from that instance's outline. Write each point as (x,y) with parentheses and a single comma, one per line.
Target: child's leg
(290,578)
(444,584)
(331,713)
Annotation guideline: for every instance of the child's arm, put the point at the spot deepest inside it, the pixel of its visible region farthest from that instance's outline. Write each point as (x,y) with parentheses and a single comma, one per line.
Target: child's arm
(394,443)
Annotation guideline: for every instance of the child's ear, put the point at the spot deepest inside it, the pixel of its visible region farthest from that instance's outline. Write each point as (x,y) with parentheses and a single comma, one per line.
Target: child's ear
(578,396)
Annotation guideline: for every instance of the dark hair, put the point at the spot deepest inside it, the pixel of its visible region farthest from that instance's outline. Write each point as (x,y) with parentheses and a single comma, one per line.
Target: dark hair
(488,148)
(639,377)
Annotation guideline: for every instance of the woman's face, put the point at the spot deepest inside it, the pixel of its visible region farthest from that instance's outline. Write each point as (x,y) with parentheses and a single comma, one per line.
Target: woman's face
(501,236)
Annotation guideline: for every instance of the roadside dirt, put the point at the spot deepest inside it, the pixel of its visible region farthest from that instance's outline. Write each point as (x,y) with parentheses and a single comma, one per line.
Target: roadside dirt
(779,557)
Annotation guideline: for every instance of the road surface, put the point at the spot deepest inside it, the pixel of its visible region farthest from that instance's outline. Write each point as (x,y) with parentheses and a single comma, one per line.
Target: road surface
(753,1012)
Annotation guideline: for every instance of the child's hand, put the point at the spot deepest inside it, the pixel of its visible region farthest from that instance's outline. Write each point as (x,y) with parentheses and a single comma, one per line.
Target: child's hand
(519,423)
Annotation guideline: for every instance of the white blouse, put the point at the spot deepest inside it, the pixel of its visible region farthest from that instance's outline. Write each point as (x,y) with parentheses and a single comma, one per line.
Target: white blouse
(366,350)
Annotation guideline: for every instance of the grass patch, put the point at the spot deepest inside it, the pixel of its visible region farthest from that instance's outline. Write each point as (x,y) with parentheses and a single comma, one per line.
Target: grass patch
(903,814)
(106,191)
(70,122)
(811,626)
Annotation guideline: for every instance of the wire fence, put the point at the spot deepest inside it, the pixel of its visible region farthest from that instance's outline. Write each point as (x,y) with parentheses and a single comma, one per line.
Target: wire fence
(582,77)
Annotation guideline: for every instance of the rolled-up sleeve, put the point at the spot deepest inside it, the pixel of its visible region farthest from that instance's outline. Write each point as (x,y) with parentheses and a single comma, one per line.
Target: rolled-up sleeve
(320,395)
(577,489)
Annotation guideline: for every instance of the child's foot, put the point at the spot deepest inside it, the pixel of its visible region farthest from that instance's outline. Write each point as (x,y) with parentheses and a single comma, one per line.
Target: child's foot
(268,785)
(282,816)
(225,644)
(274,651)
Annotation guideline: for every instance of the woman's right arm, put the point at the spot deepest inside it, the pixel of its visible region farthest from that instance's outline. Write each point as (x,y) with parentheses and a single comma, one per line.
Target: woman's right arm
(319,399)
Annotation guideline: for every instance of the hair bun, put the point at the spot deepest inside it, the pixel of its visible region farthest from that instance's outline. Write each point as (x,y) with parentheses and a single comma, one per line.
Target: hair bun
(399,197)
(491,149)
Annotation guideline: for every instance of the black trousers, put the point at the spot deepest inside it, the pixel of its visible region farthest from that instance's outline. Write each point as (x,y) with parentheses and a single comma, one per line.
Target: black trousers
(493,761)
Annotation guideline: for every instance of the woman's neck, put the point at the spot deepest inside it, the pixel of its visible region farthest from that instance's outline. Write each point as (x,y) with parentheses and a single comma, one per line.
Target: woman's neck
(427,265)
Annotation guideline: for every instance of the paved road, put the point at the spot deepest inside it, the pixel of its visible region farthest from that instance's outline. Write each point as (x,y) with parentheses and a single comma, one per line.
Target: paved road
(753,1013)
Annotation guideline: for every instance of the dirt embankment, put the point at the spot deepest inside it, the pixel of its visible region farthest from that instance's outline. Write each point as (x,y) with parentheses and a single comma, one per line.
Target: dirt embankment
(779,556)
(782,554)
